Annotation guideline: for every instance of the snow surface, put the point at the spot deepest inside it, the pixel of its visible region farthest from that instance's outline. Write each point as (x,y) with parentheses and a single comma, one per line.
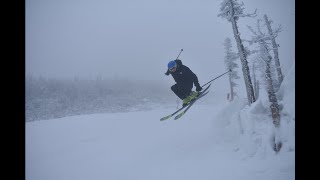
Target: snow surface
(224,141)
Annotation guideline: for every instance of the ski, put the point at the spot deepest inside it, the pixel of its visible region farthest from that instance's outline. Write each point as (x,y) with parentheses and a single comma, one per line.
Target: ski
(169,116)
(189,105)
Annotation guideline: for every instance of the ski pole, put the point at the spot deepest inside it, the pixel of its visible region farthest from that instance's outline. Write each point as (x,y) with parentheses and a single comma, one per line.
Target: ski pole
(216,78)
(179,53)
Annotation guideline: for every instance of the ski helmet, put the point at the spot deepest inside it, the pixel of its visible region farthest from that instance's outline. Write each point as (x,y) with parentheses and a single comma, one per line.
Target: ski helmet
(172,64)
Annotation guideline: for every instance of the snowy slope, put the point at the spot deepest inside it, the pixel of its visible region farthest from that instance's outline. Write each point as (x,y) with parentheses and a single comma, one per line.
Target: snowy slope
(137,145)
(220,140)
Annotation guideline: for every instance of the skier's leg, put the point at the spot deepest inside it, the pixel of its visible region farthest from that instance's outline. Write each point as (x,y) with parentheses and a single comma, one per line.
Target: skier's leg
(183,93)
(179,91)
(190,95)
(186,89)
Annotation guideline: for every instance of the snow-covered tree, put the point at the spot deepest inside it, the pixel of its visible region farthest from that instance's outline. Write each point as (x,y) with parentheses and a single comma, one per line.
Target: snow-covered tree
(232,10)
(261,39)
(229,60)
(255,81)
(274,34)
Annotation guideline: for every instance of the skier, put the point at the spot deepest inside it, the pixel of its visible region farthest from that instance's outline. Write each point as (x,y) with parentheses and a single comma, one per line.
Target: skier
(184,79)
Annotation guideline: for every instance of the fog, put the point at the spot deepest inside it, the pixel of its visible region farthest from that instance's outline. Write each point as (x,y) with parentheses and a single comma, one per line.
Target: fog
(136,39)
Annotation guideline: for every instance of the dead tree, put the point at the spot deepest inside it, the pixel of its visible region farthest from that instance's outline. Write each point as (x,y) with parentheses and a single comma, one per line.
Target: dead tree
(261,39)
(273,35)
(232,10)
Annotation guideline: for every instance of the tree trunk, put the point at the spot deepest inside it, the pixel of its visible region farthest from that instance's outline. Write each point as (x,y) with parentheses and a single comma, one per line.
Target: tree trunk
(273,100)
(255,83)
(231,88)
(244,62)
(272,97)
(243,58)
(257,90)
(275,51)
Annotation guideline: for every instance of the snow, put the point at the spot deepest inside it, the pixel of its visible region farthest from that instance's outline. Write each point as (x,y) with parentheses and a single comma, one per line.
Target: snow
(221,140)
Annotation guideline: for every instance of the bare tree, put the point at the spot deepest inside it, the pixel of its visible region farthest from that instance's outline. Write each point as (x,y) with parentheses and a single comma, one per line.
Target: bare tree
(232,10)
(262,39)
(229,60)
(273,35)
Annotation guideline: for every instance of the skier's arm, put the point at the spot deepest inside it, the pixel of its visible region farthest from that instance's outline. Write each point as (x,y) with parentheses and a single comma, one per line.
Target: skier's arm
(196,83)
(179,62)
(195,80)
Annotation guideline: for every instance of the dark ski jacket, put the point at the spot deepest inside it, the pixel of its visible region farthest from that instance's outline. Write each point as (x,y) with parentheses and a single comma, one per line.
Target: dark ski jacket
(184,76)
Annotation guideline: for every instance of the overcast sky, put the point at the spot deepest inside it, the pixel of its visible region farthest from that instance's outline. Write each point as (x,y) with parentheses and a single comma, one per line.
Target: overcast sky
(136,39)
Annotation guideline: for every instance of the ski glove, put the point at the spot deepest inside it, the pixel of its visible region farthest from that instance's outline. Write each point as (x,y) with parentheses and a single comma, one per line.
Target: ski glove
(198,88)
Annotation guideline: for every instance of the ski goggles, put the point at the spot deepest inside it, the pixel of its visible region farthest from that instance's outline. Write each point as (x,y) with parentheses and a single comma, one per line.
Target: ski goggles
(173,69)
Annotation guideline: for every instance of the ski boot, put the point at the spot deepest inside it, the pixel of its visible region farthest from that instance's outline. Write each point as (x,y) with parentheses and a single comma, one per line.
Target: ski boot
(193,95)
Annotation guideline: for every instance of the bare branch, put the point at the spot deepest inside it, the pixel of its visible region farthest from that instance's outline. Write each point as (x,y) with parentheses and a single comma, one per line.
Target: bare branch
(247,15)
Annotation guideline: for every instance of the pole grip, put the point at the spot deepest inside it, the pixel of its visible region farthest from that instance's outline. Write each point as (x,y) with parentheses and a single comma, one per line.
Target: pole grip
(179,53)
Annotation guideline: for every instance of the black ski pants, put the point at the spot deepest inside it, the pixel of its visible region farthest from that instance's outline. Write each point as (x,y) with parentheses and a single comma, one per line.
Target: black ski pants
(182,91)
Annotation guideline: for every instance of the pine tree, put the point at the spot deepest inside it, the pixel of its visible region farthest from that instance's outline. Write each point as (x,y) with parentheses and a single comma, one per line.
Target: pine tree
(232,10)
(229,60)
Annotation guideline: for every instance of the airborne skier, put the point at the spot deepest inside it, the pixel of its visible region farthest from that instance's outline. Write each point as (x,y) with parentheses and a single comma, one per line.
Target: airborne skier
(184,79)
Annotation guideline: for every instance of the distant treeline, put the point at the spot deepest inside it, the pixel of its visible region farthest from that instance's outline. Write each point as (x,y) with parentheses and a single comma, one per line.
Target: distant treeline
(55,98)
